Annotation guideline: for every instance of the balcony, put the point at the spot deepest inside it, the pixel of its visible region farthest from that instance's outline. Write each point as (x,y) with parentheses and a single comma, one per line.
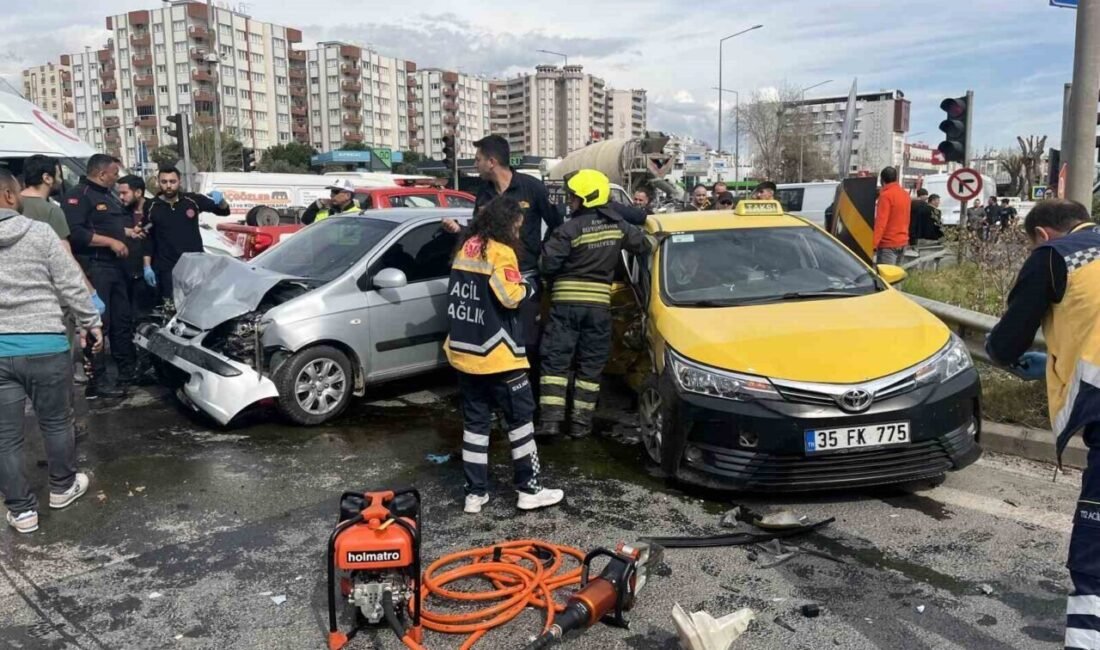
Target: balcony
(198,54)
(353,103)
(108,86)
(68,92)
(110,122)
(450,92)
(138,18)
(107,70)
(111,105)
(203,96)
(203,76)
(450,78)
(299,111)
(197,11)
(112,138)
(142,61)
(71,123)
(352,119)
(297,55)
(450,120)
(105,56)
(412,111)
(204,119)
(351,87)
(144,81)
(141,39)
(450,106)
(411,97)
(151,142)
(68,107)
(351,70)
(146,121)
(352,137)
(198,32)
(298,91)
(145,101)
(297,74)
(350,52)
(300,128)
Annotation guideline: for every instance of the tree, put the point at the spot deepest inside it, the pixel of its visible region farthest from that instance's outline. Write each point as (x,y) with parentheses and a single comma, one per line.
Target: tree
(202,152)
(1031,151)
(1013,164)
(408,166)
(354,146)
(783,138)
(287,158)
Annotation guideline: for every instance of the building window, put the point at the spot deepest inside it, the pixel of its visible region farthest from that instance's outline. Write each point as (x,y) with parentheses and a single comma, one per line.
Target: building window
(225,31)
(229,91)
(180,48)
(257,59)
(226,51)
(181,69)
(259,97)
(183,89)
(158,28)
(281,100)
(241,36)
(162,90)
(246,94)
(256,39)
(258,77)
(242,55)
(179,26)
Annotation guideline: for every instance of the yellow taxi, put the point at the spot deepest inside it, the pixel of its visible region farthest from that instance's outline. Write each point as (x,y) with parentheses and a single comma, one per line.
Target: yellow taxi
(776,359)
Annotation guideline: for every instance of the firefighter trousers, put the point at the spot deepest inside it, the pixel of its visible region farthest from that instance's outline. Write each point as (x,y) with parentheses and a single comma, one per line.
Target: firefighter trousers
(510,392)
(577,332)
(1083,608)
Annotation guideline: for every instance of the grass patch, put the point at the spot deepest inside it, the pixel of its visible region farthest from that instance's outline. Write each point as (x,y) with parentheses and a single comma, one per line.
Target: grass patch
(960,285)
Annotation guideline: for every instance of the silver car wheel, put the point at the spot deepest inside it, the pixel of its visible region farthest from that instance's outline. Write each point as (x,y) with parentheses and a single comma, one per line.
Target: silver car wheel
(320,386)
(652,421)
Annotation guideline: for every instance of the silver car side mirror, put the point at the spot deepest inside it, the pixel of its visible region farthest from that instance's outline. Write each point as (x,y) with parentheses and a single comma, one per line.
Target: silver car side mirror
(390,278)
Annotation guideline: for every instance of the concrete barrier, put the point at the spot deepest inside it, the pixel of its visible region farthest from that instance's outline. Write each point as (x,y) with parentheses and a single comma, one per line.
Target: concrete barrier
(1033,444)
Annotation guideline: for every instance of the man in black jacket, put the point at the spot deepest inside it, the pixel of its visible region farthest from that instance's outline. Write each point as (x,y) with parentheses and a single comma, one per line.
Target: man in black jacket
(579,259)
(172,218)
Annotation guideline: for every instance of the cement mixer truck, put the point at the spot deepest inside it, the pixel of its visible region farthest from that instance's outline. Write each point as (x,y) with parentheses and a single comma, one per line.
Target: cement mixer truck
(628,163)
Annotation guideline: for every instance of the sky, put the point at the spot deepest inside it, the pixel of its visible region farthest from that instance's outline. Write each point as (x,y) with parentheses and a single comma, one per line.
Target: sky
(1014,54)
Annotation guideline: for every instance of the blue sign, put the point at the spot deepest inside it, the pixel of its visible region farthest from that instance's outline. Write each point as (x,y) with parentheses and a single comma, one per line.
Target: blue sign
(1066,4)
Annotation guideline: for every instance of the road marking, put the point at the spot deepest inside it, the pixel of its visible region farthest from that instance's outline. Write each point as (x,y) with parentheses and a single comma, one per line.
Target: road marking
(1061,522)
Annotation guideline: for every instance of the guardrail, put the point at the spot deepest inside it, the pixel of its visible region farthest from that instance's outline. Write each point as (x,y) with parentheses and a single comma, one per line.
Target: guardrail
(971,326)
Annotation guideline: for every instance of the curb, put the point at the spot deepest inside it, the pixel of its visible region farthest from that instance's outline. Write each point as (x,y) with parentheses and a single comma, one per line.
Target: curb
(1033,444)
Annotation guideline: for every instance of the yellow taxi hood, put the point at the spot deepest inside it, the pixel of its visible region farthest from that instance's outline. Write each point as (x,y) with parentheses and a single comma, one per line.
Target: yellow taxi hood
(829,340)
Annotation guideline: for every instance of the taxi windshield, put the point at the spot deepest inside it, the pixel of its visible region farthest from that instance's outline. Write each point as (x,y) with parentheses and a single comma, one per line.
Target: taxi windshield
(325,250)
(759,265)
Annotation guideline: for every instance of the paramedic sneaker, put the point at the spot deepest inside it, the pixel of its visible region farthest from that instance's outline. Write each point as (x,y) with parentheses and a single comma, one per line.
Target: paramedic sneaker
(26,522)
(541,499)
(474,503)
(60,500)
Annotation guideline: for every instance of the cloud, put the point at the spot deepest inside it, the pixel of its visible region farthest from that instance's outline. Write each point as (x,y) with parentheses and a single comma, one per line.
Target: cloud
(684,97)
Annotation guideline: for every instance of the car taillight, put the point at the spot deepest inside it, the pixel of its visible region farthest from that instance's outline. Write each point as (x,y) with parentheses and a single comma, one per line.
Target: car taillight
(262,242)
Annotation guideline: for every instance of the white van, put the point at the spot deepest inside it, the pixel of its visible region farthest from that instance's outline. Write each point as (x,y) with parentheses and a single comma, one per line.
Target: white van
(807,200)
(949,207)
(283,192)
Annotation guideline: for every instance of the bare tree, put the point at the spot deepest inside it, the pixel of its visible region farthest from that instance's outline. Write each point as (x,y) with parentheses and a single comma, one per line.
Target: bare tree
(1013,164)
(1031,151)
(782,137)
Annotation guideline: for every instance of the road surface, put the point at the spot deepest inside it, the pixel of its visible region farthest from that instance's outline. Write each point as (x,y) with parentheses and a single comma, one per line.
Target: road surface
(189,531)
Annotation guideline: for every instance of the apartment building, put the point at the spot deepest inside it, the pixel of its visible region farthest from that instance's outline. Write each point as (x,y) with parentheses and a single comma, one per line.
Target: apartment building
(50,86)
(86,96)
(358,96)
(449,103)
(626,113)
(881,121)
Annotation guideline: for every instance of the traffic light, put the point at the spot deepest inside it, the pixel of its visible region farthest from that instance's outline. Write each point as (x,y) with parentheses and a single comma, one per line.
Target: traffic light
(248,159)
(181,132)
(449,152)
(954,128)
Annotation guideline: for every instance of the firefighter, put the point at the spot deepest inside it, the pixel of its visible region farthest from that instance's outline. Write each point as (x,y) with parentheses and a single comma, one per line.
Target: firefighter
(579,259)
(341,201)
(1058,287)
(486,346)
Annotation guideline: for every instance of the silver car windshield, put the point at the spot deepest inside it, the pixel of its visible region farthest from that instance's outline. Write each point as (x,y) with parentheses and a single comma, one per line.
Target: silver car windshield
(327,249)
(754,265)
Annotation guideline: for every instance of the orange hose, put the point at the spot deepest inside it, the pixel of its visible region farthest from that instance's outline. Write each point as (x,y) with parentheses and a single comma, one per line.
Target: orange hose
(518,580)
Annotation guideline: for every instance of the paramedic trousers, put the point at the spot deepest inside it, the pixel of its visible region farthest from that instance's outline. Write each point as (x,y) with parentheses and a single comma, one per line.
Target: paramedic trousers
(510,393)
(1083,609)
(578,332)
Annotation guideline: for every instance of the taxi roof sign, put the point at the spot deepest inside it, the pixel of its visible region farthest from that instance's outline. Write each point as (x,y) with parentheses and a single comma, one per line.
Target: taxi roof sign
(751,207)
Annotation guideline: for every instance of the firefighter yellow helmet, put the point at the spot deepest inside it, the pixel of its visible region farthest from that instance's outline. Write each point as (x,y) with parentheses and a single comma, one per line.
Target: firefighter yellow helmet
(592,187)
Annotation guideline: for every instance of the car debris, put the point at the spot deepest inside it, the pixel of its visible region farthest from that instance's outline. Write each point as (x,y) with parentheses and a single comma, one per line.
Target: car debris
(920,609)
(783,624)
(438,459)
(740,538)
(701,631)
(278,600)
(985,589)
(811,610)
(731,519)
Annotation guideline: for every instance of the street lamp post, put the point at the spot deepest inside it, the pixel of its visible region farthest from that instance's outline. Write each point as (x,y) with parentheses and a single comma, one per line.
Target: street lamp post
(564,56)
(722,42)
(802,135)
(736,131)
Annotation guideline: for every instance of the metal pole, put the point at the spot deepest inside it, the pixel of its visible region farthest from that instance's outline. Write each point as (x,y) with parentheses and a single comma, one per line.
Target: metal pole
(737,136)
(720,44)
(969,126)
(1066,144)
(217,104)
(185,133)
(801,134)
(1081,173)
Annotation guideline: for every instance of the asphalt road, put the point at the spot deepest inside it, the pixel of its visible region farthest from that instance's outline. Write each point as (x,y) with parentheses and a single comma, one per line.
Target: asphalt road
(190,533)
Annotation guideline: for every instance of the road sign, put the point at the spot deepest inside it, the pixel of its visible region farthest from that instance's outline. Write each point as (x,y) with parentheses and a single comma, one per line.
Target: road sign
(964,184)
(1037,192)
(1062,180)
(1065,4)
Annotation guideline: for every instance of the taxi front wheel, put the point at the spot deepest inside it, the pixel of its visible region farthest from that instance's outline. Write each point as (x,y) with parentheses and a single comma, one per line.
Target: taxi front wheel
(656,422)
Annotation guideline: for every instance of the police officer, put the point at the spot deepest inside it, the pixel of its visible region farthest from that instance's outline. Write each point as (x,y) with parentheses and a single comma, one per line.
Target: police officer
(172,218)
(493,166)
(98,224)
(579,260)
(485,347)
(342,202)
(1059,288)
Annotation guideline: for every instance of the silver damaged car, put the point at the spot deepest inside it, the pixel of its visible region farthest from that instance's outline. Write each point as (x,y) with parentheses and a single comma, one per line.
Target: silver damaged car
(343,304)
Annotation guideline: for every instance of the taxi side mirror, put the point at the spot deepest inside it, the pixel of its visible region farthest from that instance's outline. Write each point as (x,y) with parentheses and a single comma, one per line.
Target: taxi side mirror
(891,274)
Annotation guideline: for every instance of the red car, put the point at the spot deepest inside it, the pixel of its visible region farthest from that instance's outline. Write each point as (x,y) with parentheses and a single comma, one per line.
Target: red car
(254,240)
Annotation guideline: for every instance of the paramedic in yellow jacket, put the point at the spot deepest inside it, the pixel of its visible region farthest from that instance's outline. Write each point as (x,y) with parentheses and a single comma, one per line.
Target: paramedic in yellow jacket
(485,346)
(1059,288)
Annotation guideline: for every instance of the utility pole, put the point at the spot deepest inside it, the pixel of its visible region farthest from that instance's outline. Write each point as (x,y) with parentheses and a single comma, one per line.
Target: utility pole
(1081,123)
(1066,144)
(213,59)
(722,42)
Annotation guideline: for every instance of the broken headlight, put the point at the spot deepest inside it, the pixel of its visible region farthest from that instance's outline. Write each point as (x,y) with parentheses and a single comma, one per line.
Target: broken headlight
(694,378)
(237,338)
(945,364)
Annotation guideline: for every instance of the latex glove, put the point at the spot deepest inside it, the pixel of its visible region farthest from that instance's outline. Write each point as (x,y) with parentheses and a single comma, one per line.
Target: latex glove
(1032,366)
(217,197)
(98,303)
(150,277)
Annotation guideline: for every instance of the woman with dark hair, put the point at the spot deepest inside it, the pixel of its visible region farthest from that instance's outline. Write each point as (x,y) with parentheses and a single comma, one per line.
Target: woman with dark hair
(485,346)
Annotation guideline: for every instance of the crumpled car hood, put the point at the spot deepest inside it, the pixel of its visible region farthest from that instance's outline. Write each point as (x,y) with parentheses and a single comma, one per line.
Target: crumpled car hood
(210,289)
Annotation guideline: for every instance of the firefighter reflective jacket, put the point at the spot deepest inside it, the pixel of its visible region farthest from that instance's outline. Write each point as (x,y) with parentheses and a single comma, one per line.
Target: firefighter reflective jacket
(1072,332)
(580,256)
(483,297)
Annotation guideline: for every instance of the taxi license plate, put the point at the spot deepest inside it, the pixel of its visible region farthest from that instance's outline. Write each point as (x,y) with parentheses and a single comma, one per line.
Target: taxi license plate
(869,435)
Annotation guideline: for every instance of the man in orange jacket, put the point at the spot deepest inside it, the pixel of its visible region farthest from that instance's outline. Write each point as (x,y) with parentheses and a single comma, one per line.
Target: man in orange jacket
(891,219)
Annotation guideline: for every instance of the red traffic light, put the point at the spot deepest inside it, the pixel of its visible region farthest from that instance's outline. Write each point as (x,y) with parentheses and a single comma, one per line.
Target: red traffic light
(954,107)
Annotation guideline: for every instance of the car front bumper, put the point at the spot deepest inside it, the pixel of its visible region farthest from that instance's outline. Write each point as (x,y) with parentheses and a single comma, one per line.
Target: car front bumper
(760,445)
(217,385)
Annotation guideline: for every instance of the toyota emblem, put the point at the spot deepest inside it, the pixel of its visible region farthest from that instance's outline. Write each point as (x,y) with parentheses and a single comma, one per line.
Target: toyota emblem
(856,400)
